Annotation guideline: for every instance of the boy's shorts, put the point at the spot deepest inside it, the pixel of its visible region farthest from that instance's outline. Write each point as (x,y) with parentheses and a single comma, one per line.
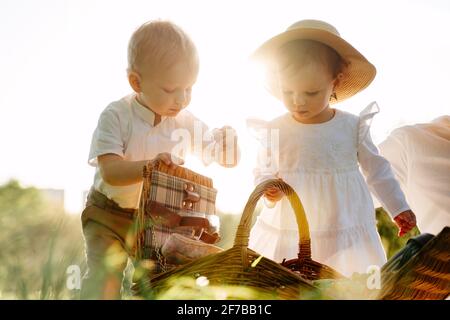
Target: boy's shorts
(109,242)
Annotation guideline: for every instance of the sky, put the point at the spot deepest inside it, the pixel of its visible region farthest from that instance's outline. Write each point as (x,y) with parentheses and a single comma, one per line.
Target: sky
(63,61)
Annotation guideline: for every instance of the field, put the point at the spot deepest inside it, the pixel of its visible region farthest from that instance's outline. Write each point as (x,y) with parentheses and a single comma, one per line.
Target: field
(42,250)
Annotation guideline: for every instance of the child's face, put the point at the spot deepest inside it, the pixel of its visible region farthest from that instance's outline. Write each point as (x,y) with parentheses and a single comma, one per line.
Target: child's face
(306,92)
(167,91)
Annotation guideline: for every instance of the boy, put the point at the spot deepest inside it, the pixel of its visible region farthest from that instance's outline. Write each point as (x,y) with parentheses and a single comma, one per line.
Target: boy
(162,68)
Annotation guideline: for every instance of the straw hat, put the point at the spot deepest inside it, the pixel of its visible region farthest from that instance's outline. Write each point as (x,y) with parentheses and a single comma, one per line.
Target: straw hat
(359,74)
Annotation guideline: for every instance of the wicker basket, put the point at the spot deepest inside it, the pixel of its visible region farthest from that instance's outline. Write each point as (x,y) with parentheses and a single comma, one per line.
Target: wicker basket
(175,179)
(426,276)
(303,264)
(242,266)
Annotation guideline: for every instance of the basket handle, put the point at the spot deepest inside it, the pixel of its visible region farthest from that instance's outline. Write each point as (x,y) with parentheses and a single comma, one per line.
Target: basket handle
(243,231)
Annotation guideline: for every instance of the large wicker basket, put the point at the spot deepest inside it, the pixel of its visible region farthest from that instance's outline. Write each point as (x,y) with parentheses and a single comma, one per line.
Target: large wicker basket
(304,265)
(426,276)
(242,266)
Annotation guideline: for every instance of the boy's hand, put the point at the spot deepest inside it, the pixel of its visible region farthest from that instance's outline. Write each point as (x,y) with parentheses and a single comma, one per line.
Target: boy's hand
(169,159)
(405,222)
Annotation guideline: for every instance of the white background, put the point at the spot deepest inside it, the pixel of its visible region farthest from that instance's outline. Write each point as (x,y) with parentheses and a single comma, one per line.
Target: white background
(62,62)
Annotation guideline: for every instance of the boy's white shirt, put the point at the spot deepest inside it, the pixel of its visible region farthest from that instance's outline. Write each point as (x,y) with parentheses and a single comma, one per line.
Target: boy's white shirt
(126,128)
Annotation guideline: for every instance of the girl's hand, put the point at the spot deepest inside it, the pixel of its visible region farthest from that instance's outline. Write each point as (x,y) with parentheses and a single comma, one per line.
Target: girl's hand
(273,194)
(405,222)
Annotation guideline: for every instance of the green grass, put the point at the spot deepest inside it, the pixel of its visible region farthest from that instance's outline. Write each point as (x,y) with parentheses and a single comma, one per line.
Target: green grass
(39,242)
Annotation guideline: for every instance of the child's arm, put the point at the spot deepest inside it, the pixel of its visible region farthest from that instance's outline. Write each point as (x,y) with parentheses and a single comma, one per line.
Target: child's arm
(394,149)
(118,172)
(383,185)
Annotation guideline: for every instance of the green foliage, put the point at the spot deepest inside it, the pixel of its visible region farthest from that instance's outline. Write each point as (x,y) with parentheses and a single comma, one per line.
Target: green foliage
(38,242)
(191,289)
(388,231)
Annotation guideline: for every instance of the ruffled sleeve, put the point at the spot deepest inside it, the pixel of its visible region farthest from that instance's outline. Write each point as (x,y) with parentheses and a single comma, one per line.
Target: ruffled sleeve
(376,169)
(365,120)
(266,162)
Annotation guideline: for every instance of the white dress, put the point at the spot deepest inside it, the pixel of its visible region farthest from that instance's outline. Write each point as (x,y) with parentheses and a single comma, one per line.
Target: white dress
(322,163)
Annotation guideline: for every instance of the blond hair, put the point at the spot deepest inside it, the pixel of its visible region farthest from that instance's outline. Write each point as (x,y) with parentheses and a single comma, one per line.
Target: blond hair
(158,44)
(298,53)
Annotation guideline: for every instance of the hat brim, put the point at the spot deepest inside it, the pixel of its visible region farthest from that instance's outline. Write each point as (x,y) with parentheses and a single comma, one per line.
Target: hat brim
(359,73)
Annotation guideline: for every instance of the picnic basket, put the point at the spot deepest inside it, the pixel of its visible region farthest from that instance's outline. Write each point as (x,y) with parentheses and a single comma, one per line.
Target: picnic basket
(242,266)
(421,275)
(177,205)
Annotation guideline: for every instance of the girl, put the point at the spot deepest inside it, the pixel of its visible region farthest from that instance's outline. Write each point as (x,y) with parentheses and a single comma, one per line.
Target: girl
(321,151)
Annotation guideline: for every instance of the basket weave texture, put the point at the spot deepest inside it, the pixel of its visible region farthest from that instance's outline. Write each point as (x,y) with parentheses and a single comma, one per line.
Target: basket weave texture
(426,276)
(242,266)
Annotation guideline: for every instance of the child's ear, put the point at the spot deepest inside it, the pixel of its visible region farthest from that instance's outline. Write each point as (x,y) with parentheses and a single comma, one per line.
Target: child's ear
(338,79)
(135,81)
